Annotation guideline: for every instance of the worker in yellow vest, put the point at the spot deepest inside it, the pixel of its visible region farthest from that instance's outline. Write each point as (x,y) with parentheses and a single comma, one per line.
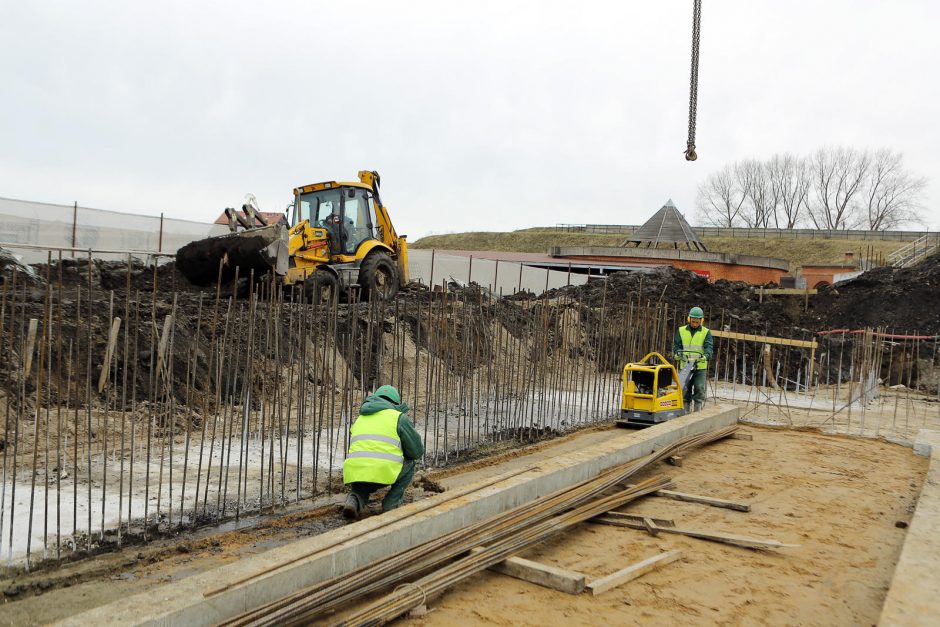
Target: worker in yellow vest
(694,341)
(383,447)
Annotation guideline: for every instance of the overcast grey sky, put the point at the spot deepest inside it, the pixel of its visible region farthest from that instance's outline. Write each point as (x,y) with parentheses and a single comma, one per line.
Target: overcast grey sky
(479,115)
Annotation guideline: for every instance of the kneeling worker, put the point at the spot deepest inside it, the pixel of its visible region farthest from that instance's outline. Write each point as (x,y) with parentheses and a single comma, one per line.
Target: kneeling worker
(696,338)
(383,447)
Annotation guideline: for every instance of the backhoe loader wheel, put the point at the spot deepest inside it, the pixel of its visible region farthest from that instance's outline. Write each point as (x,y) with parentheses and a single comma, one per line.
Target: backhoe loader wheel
(378,276)
(321,287)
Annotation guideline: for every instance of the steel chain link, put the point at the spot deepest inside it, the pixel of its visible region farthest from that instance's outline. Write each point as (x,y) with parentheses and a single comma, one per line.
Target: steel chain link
(690,154)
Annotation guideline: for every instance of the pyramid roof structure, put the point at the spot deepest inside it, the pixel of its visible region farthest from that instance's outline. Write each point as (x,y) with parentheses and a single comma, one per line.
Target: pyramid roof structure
(666,229)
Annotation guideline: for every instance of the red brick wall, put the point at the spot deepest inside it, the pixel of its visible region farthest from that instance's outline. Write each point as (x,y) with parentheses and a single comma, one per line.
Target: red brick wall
(755,275)
(815,275)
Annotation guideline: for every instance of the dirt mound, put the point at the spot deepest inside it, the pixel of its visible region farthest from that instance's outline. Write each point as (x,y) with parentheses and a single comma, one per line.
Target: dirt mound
(905,300)
(901,299)
(729,304)
(113,275)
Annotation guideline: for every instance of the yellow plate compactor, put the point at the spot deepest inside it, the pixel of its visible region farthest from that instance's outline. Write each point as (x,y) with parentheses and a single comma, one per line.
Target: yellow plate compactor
(652,392)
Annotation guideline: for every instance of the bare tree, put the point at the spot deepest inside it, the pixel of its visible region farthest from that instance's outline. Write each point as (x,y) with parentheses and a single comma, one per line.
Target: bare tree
(834,188)
(759,209)
(893,195)
(790,183)
(720,198)
(838,175)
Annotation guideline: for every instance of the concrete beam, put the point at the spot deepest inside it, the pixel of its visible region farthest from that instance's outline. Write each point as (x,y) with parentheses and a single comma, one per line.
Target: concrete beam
(914,595)
(277,573)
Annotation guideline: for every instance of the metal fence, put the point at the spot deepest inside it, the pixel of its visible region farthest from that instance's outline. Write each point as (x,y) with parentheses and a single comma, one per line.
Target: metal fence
(714,231)
(29,228)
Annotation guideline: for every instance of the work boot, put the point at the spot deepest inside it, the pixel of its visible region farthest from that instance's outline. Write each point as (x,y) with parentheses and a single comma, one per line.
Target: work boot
(699,405)
(351,507)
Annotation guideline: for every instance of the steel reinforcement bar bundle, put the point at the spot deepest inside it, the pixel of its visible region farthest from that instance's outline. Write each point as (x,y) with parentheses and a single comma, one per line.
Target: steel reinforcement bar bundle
(450,558)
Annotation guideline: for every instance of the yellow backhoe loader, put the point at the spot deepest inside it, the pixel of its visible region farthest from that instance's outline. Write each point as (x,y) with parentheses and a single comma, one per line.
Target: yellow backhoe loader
(340,236)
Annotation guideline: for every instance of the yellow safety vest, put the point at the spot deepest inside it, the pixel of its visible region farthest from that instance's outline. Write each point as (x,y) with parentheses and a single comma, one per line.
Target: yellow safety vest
(375,454)
(695,342)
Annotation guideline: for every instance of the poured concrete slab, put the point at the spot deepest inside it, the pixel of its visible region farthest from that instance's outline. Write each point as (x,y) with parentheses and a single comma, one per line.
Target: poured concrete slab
(210,597)
(914,596)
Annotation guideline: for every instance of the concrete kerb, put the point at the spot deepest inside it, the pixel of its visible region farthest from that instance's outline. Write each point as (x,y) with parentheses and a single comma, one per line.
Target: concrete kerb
(343,550)
(914,595)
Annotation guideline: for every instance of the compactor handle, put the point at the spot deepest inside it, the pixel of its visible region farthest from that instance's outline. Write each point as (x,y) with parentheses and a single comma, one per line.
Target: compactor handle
(689,355)
(646,359)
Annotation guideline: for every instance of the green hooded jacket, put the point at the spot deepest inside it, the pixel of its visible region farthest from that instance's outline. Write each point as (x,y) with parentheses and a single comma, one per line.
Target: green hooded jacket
(411,444)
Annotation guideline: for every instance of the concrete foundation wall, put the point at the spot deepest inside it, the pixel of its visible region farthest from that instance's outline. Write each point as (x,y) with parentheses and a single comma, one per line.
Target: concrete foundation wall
(914,595)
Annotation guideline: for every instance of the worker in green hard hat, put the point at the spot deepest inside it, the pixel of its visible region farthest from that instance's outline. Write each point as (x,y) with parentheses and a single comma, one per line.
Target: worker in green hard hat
(694,342)
(383,447)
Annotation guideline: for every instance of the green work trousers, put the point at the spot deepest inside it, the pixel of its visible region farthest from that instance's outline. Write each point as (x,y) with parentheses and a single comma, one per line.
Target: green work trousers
(396,493)
(695,391)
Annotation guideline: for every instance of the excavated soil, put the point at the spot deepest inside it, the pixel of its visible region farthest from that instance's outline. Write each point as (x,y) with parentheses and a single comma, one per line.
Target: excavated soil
(905,299)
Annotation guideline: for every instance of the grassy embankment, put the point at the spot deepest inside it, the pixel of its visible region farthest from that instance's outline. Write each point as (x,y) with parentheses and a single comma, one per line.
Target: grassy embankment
(538,240)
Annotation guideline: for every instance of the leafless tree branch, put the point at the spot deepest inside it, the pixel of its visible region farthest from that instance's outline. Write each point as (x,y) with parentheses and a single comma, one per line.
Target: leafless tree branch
(838,174)
(790,184)
(893,196)
(720,199)
(834,188)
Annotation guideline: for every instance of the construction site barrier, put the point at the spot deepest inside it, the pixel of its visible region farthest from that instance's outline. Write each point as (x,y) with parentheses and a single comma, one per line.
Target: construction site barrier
(29,226)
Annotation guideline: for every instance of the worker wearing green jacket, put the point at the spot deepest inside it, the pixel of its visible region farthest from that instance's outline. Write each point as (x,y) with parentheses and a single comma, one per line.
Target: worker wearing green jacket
(383,447)
(695,338)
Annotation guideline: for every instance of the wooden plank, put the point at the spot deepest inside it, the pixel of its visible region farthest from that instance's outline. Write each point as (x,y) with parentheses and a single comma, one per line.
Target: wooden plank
(714,536)
(812,365)
(30,346)
(768,367)
(542,574)
(704,500)
(651,527)
(108,354)
(659,522)
(786,291)
(765,339)
(599,586)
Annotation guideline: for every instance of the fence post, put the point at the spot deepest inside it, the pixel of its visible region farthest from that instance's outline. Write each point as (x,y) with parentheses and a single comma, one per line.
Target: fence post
(160,241)
(74,224)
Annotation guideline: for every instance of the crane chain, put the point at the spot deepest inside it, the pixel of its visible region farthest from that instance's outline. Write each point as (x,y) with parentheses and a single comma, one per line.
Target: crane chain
(690,154)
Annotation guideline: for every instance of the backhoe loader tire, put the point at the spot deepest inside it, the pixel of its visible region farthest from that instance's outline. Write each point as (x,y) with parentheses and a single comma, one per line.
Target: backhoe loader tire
(378,277)
(321,287)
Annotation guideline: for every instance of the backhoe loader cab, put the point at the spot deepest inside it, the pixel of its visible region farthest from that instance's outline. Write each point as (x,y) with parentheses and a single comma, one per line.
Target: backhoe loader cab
(340,236)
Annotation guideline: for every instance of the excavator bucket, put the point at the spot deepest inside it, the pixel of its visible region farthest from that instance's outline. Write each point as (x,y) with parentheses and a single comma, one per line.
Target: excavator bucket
(263,250)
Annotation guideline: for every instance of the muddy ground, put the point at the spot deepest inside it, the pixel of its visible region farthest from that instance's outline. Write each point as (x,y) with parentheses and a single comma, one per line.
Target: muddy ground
(845,501)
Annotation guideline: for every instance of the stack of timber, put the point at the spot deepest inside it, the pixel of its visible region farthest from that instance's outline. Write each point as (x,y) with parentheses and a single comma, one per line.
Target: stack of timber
(447,560)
